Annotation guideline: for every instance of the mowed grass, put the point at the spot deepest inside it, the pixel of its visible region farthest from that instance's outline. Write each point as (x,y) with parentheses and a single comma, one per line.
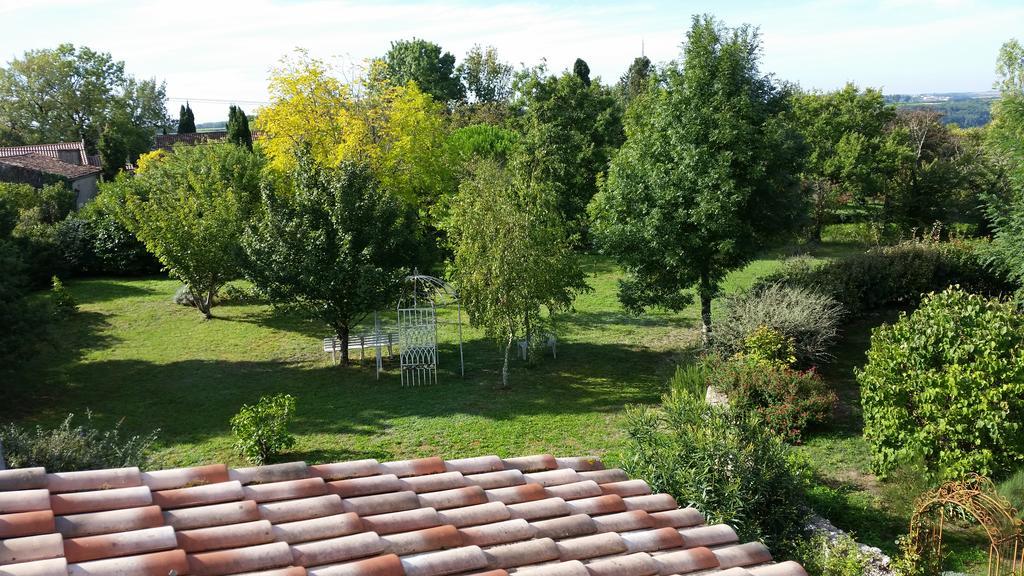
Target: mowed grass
(133,356)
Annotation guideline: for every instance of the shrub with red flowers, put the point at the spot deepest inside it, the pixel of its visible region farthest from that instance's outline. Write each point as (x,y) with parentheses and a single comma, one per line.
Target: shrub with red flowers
(785,399)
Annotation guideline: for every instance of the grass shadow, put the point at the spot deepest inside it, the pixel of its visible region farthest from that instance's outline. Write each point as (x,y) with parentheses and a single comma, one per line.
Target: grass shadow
(106,289)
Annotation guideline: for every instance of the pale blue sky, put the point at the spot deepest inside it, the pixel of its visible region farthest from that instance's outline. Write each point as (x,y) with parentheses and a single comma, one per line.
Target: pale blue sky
(221,50)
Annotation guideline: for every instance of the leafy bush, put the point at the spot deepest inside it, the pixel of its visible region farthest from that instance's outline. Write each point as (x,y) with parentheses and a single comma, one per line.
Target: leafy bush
(262,429)
(785,400)
(67,448)
(116,250)
(23,319)
(806,316)
(822,555)
(74,238)
(896,275)
(63,302)
(946,384)
(769,346)
(721,461)
(38,211)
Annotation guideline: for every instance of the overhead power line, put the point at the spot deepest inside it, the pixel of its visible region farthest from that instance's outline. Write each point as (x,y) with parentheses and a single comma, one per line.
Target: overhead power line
(217,101)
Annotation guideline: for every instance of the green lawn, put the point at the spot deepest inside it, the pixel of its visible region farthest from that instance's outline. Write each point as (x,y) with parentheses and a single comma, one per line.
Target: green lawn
(130,354)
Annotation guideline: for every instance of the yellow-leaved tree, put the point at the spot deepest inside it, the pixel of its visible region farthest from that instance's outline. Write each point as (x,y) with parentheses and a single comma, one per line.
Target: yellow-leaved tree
(399,131)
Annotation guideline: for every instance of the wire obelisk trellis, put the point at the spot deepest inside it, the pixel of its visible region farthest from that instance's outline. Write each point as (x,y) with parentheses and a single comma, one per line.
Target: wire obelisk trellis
(417,327)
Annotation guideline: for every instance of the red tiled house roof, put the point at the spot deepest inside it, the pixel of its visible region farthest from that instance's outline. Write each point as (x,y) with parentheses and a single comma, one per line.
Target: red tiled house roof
(49,165)
(530,516)
(51,150)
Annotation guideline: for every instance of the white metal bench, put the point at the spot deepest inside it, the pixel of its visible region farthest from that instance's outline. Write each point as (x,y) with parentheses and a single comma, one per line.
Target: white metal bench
(362,342)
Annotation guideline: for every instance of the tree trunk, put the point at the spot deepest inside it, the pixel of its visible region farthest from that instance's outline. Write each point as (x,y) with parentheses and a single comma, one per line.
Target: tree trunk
(3,463)
(341,331)
(203,302)
(705,307)
(526,324)
(504,367)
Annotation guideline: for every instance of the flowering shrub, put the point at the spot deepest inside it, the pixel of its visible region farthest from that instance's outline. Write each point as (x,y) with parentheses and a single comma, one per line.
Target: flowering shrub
(786,400)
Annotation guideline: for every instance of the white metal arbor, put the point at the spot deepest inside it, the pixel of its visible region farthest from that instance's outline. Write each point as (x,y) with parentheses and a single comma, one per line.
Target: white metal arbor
(417,327)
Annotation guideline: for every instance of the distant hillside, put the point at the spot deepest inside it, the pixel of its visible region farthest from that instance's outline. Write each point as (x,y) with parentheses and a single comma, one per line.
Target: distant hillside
(211,126)
(965,109)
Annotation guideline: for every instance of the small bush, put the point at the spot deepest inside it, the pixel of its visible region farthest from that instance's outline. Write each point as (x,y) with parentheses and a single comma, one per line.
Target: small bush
(821,555)
(897,275)
(63,302)
(807,317)
(946,384)
(262,429)
(721,461)
(768,346)
(67,448)
(785,400)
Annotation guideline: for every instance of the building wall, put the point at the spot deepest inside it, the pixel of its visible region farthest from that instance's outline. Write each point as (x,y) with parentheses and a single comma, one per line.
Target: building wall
(86,189)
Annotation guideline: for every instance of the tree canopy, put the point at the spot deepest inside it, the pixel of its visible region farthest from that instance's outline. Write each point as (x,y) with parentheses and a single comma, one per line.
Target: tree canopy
(190,208)
(706,177)
(398,130)
(77,94)
(511,253)
(845,132)
(486,78)
(424,63)
(569,131)
(357,243)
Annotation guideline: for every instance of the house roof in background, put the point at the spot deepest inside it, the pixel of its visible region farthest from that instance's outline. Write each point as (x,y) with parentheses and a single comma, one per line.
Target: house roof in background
(47,149)
(167,141)
(531,516)
(49,165)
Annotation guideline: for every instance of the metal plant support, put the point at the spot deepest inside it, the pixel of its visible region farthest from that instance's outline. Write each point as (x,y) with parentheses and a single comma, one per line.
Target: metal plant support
(973,498)
(417,327)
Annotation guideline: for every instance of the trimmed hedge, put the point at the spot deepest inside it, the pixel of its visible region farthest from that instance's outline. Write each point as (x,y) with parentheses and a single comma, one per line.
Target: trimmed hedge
(897,275)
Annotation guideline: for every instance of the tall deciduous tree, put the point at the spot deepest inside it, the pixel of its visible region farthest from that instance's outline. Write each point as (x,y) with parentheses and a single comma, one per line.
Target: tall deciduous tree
(570,130)
(845,133)
(706,177)
(186,120)
(1006,139)
(72,94)
(356,243)
(238,127)
(398,129)
(512,255)
(486,78)
(424,63)
(190,208)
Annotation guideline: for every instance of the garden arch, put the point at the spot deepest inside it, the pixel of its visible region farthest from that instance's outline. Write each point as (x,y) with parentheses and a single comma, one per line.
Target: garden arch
(417,327)
(973,498)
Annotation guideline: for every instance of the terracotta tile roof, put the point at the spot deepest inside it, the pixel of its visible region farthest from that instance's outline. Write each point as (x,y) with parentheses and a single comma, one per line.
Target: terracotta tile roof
(51,150)
(49,165)
(532,516)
